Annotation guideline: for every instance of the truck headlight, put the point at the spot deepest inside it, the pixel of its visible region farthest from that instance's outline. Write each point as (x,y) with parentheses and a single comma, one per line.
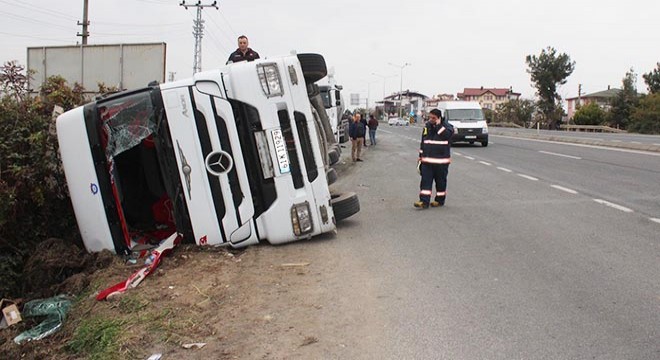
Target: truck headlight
(301,218)
(271,82)
(485,130)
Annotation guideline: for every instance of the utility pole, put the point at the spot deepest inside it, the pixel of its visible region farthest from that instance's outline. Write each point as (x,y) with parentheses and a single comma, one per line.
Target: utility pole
(198,31)
(401,86)
(84,23)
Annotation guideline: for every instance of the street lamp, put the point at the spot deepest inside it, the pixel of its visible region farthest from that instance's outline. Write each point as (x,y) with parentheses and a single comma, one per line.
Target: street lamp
(369,93)
(384,77)
(400,85)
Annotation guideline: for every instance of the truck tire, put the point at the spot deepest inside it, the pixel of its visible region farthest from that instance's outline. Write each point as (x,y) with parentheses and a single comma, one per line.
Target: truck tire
(344,205)
(331,174)
(313,67)
(333,154)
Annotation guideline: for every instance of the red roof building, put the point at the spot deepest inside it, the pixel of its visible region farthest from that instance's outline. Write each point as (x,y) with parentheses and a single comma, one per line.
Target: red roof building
(489,98)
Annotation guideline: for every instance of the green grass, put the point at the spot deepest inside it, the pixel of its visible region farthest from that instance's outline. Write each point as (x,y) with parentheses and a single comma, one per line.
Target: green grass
(96,338)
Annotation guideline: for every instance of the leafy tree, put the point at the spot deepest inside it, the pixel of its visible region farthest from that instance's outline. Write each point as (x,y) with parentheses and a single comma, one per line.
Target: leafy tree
(14,80)
(652,80)
(625,101)
(645,118)
(489,115)
(516,111)
(590,114)
(548,70)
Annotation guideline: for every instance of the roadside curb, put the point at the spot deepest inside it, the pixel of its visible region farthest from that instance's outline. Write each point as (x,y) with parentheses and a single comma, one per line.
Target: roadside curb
(620,145)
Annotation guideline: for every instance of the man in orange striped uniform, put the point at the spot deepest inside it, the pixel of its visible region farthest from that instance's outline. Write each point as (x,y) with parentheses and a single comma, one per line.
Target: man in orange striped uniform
(435,157)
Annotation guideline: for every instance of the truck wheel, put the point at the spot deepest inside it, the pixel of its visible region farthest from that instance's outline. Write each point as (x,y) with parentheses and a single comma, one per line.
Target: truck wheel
(344,205)
(331,174)
(313,67)
(333,154)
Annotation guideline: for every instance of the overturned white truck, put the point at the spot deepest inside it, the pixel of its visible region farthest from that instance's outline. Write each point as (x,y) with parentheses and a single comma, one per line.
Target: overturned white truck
(228,157)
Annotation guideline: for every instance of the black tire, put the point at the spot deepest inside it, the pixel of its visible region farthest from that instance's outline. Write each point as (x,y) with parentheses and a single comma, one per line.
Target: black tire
(345,205)
(313,67)
(333,154)
(331,174)
(484,143)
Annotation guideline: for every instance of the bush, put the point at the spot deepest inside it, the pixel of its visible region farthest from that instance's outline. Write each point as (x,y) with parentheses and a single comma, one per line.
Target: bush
(645,118)
(34,201)
(590,114)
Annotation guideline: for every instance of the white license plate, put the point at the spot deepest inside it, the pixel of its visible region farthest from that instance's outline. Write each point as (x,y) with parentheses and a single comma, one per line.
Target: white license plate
(280,152)
(471,137)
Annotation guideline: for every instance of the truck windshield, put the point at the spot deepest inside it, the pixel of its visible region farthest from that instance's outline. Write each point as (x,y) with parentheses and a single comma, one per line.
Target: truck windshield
(465,114)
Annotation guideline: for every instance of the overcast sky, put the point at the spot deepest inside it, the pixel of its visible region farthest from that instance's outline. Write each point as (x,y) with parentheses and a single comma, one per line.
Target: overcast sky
(450,45)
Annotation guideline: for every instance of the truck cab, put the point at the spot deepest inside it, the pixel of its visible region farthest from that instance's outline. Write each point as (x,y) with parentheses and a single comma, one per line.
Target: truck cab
(468,120)
(228,157)
(334,107)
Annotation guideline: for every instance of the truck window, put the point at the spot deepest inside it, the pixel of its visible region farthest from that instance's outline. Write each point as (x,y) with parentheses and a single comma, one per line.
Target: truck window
(306,145)
(325,96)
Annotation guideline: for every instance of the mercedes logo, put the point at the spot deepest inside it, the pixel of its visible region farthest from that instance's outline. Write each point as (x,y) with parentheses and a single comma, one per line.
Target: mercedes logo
(218,163)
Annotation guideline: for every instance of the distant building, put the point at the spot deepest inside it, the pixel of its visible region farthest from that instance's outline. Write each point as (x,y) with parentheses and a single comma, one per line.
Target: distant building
(602,98)
(432,103)
(488,98)
(410,101)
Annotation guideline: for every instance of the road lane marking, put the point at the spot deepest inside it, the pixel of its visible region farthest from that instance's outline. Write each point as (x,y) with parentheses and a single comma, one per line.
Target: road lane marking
(457,153)
(485,163)
(613,205)
(570,191)
(528,177)
(469,157)
(505,169)
(641,152)
(562,155)
(635,142)
(655,220)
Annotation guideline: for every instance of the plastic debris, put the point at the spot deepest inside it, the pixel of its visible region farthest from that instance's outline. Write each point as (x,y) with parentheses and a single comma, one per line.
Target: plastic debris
(54,309)
(194,345)
(155,357)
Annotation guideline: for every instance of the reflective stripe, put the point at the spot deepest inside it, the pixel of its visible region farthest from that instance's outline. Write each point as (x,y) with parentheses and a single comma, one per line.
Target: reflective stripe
(431,160)
(425,192)
(444,193)
(441,130)
(436,142)
(420,151)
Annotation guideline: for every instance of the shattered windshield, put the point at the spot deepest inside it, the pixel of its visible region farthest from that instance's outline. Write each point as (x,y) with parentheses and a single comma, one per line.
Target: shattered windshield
(126,121)
(465,114)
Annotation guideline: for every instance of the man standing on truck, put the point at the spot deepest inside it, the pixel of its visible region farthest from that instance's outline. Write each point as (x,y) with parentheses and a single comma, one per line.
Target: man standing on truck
(243,53)
(434,158)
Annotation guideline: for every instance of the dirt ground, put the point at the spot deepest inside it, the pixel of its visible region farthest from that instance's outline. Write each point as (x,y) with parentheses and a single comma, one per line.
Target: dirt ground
(260,303)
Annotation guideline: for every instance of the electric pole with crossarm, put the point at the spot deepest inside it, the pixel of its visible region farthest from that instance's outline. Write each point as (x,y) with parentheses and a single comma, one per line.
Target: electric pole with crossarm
(198,31)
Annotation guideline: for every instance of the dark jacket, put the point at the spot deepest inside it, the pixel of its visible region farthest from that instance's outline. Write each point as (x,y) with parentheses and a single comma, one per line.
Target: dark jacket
(373,124)
(356,129)
(435,147)
(236,56)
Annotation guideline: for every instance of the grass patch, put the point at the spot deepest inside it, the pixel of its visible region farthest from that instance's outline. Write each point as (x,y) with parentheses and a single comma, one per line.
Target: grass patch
(96,338)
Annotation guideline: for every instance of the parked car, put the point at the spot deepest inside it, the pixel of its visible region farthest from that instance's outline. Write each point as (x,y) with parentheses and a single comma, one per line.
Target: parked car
(397,121)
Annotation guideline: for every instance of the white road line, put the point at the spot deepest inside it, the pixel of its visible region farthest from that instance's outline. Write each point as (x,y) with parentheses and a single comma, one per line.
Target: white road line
(485,163)
(613,205)
(584,145)
(562,155)
(655,220)
(457,153)
(505,169)
(469,157)
(615,140)
(570,191)
(656,144)
(635,142)
(528,177)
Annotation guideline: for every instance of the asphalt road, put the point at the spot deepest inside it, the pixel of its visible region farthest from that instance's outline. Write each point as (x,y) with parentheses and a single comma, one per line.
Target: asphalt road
(543,251)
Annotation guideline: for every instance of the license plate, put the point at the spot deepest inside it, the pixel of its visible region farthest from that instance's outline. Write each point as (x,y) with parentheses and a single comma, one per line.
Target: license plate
(280,152)
(471,137)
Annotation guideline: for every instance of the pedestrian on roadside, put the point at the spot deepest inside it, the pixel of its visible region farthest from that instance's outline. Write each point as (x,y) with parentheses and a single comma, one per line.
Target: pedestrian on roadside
(243,53)
(434,160)
(363,120)
(356,131)
(373,125)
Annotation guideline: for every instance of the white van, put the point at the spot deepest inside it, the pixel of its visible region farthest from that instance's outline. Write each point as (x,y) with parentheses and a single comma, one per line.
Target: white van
(228,157)
(468,120)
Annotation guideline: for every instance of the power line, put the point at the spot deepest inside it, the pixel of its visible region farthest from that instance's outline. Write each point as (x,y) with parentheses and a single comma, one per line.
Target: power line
(198,31)
(39,9)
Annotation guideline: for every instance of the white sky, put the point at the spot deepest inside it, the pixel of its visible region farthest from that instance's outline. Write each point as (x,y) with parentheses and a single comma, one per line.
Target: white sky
(450,45)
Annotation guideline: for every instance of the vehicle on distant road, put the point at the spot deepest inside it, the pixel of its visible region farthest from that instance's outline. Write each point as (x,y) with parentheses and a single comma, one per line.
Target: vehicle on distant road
(468,120)
(397,121)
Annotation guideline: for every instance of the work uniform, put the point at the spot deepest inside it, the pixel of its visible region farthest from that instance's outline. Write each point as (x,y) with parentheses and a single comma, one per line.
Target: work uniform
(236,56)
(435,157)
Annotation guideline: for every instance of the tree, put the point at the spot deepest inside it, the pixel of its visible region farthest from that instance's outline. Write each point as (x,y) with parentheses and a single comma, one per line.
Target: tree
(645,118)
(548,70)
(516,111)
(652,80)
(14,80)
(624,102)
(590,114)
